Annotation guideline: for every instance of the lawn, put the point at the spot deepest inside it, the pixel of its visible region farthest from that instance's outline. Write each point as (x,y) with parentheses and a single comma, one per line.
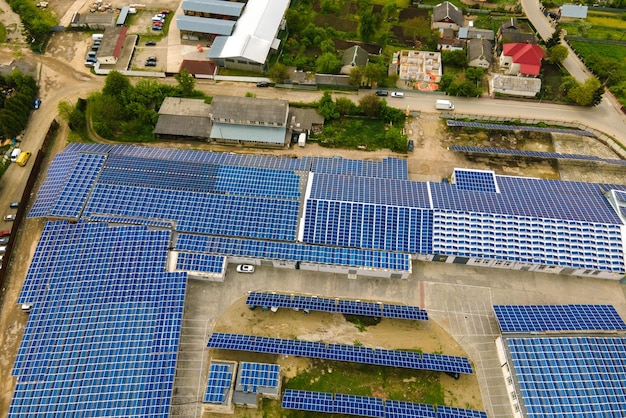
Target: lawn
(353,133)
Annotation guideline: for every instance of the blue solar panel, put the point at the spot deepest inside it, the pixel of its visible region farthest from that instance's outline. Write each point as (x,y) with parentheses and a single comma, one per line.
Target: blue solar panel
(78,147)
(401,409)
(341,352)
(218,384)
(451,412)
(364,406)
(254,376)
(352,257)
(130,221)
(478,180)
(547,318)
(392,168)
(536,154)
(102,336)
(307,401)
(504,127)
(570,376)
(204,263)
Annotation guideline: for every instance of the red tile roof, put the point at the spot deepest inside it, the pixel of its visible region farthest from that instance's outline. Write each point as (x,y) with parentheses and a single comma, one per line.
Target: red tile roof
(527,55)
(120,42)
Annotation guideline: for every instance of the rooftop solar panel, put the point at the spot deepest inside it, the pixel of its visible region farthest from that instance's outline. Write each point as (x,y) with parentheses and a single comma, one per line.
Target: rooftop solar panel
(79,147)
(57,177)
(254,376)
(102,336)
(203,263)
(478,180)
(341,352)
(218,384)
(387,168)
(570,376)
(555,318)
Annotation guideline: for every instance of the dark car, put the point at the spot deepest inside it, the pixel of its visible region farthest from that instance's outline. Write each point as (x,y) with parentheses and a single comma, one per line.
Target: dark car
(36,105)
(14,205)
(411,145)
(150,64)
(262,84)
(382,93)
(4,240)
(150,43)
(157,27)
(152,59)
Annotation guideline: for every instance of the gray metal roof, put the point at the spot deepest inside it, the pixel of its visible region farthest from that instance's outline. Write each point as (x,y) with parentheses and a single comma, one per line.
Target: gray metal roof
(249,109)
(226,8)
(205,25)
(249,133)
(479,48)
(355,56)
(217,47)
(176,125)
(446,12)
(184,107)
(121,19)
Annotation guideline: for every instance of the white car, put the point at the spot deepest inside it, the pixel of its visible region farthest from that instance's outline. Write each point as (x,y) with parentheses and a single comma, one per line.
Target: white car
(9,217)
(398,94)
(245,268)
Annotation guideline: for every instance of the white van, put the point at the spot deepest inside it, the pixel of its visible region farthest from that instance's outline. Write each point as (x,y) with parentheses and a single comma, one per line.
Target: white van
(444,105)
(14,154)
(97,37)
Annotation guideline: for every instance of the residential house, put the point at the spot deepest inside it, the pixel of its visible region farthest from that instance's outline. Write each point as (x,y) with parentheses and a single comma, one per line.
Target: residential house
(470,32)
(510,31)
(354,56)
(450,44)
(447,16)
(521,59)
(515,86)
(479,53)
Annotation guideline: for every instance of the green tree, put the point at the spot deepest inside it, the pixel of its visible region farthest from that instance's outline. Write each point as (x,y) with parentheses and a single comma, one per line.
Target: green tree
(557,54)
(392,115)
(107,114)
(346,106)
(456,58)
(446,81)
(370,105)
(417,28)
(555,39)
(116,85)
(9,123)
(356,75)
(328,64)
(278,73)
(568,83)
(328,45)
(186,83)
(395,139)
(376,72)
(474,74)
(327,108)
(367,25)
(583,27)
(585,94)
(296,20)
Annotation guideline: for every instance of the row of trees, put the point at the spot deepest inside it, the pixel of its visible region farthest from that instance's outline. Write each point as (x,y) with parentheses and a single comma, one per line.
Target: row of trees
(17,94)
(37,22)
(124,111)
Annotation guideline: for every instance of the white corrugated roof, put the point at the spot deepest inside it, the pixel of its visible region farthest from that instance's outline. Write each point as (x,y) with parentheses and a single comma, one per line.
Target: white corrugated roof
(255,30)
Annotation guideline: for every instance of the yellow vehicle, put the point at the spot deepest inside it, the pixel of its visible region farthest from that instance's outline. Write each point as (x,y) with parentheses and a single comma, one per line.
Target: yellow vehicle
(23,158)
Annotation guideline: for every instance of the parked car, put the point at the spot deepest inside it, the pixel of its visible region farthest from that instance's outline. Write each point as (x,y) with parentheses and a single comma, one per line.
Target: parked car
(92,60)
(14,205)
(95,47)
(157,23)
(262,84)
(152,59)
(150,43)
(157,27)
(382,93)
(36,104)
(245,268)
(10,217)
(150,64)
(411,145)
(397,94)
(4,240)
(5,232)
(164,12)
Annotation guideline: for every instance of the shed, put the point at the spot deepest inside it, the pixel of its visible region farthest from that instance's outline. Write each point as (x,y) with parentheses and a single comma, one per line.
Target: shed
(121,19)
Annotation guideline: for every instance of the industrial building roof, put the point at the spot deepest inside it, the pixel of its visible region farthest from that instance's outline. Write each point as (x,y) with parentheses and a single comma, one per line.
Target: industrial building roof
(205,25)
(217,7)
(249,110)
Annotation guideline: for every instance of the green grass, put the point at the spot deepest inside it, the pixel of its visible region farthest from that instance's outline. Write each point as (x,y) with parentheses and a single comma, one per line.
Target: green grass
(353,133)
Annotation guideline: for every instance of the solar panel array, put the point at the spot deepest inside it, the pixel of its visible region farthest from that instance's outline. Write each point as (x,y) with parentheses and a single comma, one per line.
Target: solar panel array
(391,168)
(570,376)
(252,376)
(499,127)
(481,181)
(336,305)
(218,384)
(360,225)
(200,177)
(222,158)
(204,263)
(203,213)
(368,406)
(545,318)
(131,221)
(341,352)
(535,154)
(304,253)
(102,336)
(77,147)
